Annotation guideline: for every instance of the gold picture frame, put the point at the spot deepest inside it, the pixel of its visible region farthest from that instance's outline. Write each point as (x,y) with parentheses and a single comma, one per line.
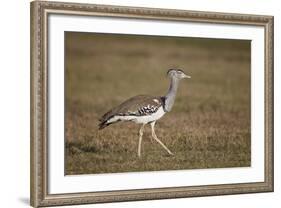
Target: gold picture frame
(39,103)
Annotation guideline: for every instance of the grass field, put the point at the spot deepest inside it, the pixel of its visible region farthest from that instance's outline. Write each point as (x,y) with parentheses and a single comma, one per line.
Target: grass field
(208,127)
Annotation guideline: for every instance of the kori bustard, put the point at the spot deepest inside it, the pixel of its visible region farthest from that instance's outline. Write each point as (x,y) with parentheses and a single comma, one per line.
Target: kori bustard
(146,109)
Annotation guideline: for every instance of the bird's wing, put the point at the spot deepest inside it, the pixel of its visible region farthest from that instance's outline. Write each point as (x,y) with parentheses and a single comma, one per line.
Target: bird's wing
(138,106)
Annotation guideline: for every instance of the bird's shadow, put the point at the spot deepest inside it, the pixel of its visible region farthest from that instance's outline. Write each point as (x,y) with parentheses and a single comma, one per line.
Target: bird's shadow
(24,200)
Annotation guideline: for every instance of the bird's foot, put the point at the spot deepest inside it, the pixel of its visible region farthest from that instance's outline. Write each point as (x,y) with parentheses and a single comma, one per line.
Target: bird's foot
(170,153)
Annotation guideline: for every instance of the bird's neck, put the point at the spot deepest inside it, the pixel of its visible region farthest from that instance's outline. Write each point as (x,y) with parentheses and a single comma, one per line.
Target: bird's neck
(171,94)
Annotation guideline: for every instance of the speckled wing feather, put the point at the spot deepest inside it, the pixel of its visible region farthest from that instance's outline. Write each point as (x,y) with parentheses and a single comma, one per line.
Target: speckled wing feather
(140,105)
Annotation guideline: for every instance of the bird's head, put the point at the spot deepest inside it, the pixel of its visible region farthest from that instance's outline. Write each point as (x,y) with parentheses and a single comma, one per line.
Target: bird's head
(177,73)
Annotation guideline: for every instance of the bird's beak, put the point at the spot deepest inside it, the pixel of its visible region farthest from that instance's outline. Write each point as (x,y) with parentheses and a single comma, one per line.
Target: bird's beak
(186,76)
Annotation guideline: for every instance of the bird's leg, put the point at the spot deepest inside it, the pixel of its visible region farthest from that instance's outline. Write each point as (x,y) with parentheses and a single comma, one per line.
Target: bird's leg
(140,139)
(155,137)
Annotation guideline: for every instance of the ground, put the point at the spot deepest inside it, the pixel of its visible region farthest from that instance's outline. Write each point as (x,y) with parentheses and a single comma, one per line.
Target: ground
(208,127)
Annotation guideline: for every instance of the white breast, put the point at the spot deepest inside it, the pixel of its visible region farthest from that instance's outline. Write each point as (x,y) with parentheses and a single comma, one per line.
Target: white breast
(140,119)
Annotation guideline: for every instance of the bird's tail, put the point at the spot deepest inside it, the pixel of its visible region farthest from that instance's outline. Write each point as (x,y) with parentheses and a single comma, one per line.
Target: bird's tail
(104,120)
(103,124)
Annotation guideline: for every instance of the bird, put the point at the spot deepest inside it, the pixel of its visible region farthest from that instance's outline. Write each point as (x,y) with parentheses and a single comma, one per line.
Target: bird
(146,109)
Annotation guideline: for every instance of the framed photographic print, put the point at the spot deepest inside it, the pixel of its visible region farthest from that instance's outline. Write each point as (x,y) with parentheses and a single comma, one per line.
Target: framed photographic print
(140,103)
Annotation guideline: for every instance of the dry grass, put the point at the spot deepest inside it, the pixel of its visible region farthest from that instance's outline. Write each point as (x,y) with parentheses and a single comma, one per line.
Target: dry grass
(209,126)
